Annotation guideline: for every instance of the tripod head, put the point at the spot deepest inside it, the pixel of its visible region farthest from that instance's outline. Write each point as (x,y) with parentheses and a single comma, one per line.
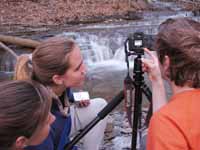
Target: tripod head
(135,44)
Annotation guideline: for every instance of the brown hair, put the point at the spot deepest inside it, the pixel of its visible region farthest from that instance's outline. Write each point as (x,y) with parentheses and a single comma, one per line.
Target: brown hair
(180,40)
(48,59)
(24,108)
(23,68)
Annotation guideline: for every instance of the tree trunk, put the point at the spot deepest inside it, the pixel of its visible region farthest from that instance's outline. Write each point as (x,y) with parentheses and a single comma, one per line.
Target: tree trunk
(19,41)
(8,49)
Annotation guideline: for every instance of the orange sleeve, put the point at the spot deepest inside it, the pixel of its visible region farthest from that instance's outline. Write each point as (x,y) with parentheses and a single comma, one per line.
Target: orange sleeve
(165,134)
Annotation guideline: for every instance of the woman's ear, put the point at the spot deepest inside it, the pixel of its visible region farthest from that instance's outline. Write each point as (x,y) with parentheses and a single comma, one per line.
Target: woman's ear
(21,142)
(57,79)
(166,65)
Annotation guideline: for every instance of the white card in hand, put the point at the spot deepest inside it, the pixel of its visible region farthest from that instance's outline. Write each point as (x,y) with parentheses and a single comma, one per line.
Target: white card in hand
(78,96)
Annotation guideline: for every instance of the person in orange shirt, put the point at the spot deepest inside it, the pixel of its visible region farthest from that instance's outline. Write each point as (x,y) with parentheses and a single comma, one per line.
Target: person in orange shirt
(175,125)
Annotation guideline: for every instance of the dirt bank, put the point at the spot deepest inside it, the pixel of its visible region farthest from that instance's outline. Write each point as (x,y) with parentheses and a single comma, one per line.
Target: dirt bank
(59,12)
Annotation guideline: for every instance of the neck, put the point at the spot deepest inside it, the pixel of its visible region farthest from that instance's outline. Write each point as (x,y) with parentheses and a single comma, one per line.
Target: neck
(177,89)
(15,148)
(58,90)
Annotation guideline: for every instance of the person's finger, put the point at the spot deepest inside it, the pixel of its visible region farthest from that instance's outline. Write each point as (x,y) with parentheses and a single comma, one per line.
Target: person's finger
(147,62)
(87,102)
(81,104)
(84,103)
(150,53)
(145,69)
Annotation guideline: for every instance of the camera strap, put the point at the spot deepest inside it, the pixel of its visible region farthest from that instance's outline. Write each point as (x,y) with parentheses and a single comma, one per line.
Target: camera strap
(129,97)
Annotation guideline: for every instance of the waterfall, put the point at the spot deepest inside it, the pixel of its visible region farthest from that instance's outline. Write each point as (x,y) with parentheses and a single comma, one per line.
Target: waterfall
(99,50)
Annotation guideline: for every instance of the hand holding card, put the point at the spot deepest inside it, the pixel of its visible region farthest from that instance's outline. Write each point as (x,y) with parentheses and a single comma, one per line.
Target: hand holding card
(82,98)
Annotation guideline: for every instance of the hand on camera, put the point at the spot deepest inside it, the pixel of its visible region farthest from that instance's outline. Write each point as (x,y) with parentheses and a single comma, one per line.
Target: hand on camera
(151,66)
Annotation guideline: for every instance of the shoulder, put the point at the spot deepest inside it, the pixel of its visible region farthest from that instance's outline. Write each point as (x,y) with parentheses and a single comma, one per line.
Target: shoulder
(48,144)
(165,133)
(165,130)
(59,120)
(170,126)
(180,105)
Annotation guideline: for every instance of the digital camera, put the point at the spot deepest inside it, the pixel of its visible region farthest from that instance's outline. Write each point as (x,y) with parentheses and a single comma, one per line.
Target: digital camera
(136,43)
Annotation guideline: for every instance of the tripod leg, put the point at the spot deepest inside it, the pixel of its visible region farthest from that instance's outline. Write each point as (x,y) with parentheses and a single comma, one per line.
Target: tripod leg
(148,94)
(136,116)
(149,114)
(101,115)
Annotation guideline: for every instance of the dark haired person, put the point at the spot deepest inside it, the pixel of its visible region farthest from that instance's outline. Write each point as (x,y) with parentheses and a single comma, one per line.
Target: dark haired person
(175,126)
(25,116)
(57,63)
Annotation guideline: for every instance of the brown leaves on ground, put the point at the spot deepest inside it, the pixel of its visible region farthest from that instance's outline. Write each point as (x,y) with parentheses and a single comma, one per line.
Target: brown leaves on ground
(51,12)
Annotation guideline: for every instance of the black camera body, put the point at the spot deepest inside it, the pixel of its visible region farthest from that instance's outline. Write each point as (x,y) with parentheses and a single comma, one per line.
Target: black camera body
(136,43)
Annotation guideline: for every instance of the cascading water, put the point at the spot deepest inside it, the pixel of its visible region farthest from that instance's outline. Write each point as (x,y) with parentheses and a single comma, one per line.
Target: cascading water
(100,50)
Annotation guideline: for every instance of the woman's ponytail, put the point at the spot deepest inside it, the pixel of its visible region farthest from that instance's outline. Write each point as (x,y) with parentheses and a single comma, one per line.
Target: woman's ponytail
(23,67)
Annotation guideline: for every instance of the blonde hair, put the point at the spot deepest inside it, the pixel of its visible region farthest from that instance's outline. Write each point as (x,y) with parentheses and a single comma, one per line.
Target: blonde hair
(23,68)
(49,58)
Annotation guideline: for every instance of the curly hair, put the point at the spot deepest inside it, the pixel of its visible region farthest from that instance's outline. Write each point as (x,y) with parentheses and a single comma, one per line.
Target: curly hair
(179,39)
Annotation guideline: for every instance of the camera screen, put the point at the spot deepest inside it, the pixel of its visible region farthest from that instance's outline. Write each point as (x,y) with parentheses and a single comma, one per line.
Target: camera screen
(138,42)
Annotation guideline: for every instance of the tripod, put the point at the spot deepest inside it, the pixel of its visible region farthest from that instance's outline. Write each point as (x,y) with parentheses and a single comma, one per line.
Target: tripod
(133,46)
(140,87)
